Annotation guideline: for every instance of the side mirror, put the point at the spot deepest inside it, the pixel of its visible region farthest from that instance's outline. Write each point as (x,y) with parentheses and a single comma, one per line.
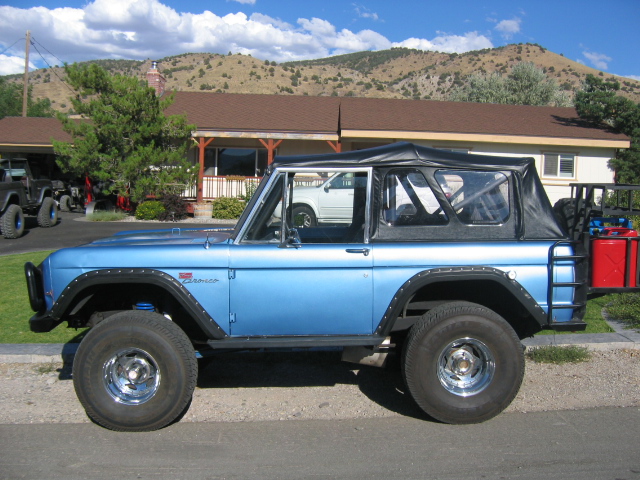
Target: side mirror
(292,239)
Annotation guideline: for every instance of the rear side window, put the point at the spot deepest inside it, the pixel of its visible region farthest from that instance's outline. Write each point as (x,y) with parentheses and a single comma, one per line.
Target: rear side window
(408,200)
(477,197)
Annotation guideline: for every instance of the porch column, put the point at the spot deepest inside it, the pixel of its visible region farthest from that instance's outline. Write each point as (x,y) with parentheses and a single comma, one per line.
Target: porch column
(202,144)
(271,146)
(337,146)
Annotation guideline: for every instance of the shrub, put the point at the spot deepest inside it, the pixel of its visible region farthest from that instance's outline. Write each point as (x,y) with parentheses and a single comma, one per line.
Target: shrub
(149,210)
(175,208)
(227,208)
(250,188)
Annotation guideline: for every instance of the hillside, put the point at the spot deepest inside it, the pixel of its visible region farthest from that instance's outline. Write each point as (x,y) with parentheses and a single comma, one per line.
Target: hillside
(395,73)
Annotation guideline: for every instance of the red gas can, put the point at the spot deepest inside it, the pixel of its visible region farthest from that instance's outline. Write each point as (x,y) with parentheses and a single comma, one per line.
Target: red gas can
(614,258)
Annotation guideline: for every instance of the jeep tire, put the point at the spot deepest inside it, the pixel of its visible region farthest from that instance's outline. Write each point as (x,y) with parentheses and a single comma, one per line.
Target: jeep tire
(12,222)
(48,213)
(463,363)
(65,203)
(135,371)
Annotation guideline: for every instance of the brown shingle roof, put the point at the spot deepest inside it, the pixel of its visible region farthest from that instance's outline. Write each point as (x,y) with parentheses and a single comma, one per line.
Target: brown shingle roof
(471,118)
(263,113)
(288,113)
(302,114)
(31,131)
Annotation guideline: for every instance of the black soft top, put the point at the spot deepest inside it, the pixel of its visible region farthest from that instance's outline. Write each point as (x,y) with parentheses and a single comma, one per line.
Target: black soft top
(537,220)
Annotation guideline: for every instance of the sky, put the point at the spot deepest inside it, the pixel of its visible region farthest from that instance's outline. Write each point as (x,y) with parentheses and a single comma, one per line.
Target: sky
(600,34)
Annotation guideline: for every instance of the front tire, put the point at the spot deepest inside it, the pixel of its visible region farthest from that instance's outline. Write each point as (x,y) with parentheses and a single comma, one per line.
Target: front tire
(463,363)
(12,222)
(48,213)
(135,371)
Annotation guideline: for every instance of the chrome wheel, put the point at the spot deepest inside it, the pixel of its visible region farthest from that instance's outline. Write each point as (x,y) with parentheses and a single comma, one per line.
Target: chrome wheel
(131,376)
(466,367)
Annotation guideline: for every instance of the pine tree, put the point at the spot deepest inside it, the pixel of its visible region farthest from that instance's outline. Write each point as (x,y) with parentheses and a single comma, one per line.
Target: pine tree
(124,139)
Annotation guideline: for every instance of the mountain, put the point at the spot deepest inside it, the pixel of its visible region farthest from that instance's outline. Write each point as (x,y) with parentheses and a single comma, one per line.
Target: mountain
(395,73)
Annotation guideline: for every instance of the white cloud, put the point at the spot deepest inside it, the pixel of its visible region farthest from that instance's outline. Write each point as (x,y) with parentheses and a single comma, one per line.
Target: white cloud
(598,60)
(633,77)
(449,43)
(508,28)
(10,65)
(364,12)
(245,2)
(141,29)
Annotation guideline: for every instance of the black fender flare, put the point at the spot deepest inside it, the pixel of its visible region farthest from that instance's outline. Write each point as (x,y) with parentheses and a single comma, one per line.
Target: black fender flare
(453,274)
(11,199)
(142,276)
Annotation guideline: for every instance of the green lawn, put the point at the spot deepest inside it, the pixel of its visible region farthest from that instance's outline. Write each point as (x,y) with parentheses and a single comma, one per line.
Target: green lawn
(15,310)
(14,304)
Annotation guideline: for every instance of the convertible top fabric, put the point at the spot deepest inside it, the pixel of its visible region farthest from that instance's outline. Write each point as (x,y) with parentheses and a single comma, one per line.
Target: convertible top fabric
(538,221)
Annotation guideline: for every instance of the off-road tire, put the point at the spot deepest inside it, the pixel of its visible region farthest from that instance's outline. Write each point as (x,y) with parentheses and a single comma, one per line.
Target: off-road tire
(565,212)
(48,213)
(65,203)
(12,222)
(447,340)
(135,371)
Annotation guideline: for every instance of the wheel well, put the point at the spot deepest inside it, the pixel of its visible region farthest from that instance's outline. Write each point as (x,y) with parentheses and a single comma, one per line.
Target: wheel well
(97,302)
(490,294)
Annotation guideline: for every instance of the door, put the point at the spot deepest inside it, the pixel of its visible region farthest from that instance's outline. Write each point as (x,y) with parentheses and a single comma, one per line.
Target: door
(307,281)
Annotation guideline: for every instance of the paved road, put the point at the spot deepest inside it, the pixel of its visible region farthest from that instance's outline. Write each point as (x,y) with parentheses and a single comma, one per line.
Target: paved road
(582,445)
(72,230)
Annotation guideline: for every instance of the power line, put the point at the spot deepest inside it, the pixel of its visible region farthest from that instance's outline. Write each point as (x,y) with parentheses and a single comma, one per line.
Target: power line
(8,48)
(33,43)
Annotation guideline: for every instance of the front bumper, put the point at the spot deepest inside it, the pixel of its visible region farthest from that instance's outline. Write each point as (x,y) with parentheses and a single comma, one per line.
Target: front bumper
(42,321)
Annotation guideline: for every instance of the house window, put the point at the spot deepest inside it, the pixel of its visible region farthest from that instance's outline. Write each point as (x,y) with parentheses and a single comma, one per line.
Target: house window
(559,165)
(247,162)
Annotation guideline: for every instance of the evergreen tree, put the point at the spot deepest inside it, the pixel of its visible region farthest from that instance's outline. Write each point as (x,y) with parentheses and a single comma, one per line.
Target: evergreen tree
(124,139)
(598,103)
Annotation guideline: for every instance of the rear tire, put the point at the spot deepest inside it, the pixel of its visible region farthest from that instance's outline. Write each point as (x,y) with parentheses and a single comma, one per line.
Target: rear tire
(463,363)
(135,371)
(48,213)
(12,222)
(65,203)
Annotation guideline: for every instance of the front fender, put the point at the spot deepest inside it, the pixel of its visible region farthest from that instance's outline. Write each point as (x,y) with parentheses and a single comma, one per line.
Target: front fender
(67,298)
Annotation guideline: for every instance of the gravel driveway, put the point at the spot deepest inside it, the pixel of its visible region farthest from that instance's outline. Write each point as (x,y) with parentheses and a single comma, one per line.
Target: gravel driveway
(317,385)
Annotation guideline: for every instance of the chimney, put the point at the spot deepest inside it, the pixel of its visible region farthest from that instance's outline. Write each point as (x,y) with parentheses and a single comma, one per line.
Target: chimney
(155,79)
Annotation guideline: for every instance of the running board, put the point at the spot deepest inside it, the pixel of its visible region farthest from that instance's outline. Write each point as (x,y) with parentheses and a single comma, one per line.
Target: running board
(235,343)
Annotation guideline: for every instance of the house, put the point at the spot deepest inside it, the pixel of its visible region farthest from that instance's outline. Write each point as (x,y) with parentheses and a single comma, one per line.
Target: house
(237,135)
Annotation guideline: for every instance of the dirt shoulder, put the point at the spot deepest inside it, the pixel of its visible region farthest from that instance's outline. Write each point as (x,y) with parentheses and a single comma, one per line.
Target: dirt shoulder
(277,386)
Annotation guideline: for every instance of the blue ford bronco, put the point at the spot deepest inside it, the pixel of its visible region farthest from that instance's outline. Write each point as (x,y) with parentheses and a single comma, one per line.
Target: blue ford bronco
(445,259)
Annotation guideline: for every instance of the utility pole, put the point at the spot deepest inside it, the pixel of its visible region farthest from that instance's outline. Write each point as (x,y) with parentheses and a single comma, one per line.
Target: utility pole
(25,90)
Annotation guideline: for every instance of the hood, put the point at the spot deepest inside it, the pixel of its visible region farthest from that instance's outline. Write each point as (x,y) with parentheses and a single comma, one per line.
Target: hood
(174,236)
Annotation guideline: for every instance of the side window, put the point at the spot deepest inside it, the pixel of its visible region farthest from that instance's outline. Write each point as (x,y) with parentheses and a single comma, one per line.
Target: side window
(477,197)
(559,165)
(409,201)
(322,207)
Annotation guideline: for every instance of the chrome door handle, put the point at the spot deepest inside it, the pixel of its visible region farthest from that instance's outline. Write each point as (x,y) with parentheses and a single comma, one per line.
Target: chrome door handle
(364,251)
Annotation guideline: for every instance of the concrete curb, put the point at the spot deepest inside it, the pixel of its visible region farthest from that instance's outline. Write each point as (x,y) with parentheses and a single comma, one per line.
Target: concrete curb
(64,352)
